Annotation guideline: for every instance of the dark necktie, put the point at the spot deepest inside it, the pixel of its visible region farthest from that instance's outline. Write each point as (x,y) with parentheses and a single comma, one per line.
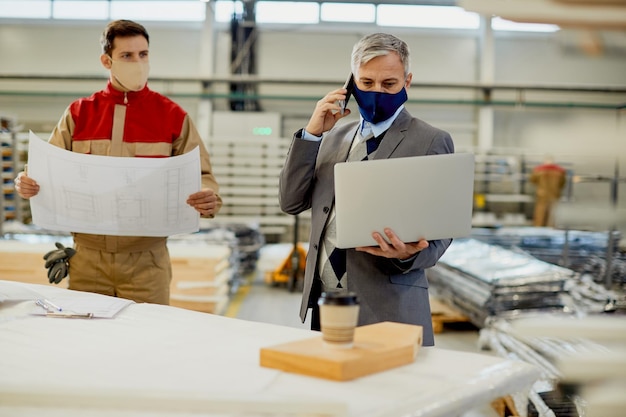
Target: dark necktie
(373,143)
(333,270)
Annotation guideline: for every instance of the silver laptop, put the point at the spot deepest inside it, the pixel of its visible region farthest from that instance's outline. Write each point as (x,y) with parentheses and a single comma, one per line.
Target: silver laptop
(428,197)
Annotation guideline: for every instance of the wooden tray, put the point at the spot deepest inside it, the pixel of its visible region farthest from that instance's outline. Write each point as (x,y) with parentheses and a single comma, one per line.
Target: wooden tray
(377,347)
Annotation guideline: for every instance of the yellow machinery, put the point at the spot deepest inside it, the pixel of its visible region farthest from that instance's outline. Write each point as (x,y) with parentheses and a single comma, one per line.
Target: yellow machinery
(291,271)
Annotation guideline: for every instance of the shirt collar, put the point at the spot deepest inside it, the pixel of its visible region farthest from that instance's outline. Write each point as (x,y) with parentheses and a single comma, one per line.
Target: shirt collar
(120,95)
(380,127)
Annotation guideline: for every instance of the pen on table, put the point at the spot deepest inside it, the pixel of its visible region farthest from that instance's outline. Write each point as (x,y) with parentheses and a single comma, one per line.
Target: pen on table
(54,306)
(48,305)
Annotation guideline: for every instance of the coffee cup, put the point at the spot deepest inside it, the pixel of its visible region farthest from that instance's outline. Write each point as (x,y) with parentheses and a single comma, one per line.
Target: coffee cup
(339,313)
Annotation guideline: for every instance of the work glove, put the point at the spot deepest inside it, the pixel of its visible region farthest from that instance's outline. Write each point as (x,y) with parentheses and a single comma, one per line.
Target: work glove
(57,262)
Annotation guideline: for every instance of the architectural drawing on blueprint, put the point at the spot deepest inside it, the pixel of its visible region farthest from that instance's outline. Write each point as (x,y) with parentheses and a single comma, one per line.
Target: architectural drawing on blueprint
(113,195)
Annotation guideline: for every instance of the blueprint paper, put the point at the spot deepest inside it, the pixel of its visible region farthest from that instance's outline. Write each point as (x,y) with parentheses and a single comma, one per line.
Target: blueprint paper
(112,195)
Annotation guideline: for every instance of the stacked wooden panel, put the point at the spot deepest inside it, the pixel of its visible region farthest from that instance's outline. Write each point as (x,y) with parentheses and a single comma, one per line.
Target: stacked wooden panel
(201,271)
(23,262)
(200,276)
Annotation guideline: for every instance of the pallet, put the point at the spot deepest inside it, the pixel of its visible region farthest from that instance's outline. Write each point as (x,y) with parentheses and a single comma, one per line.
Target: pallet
(442,313)
(505,407)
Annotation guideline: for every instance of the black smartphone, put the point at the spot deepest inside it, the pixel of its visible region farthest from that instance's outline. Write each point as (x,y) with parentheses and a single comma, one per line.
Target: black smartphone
(349,85)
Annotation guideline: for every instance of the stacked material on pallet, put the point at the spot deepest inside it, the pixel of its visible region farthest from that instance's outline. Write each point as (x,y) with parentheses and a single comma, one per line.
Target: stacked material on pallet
(582,251)
(200,277)
(217,236)
(202,265)
(544,399)
(548,241)
(249,240)
(245,242)
(484,280)
(581,359)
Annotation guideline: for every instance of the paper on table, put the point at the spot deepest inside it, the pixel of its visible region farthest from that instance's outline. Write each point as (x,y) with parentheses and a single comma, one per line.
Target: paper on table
(113,195)
(16,291)
(99,306)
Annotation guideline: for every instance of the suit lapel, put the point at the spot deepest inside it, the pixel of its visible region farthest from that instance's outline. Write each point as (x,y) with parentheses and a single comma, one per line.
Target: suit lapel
(346,144)
(394,136)
(334,149)
(338,149)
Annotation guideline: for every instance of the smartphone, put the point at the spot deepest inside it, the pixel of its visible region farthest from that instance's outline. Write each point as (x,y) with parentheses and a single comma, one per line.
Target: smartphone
(349,85)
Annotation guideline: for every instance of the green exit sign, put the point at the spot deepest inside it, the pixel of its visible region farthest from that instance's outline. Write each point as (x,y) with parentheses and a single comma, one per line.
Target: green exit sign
(262,131)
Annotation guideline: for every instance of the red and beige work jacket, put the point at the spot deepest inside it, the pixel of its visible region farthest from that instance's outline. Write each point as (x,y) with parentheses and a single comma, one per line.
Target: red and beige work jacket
(129,124)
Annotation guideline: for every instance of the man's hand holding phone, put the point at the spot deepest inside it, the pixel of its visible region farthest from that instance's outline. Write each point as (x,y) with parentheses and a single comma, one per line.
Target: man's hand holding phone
(330,109)
(349,86)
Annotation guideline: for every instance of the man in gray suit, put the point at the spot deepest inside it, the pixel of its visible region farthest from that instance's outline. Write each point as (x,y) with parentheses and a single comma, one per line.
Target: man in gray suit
(388,276)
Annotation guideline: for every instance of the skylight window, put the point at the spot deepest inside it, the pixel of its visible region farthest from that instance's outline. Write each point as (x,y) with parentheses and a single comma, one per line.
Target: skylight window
(96,10)
(287,12)
(266,11)
(348,12)
(224,10)
(25,9)
(427,17)
(177,11)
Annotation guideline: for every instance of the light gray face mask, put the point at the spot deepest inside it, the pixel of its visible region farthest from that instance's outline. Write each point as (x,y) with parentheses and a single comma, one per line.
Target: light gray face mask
(133,76)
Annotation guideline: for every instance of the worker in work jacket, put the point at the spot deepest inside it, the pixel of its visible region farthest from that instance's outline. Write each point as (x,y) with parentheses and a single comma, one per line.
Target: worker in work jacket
(549,180)
(127,119)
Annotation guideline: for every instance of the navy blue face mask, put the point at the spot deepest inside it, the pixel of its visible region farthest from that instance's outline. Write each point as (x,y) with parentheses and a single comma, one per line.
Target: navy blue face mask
(375,106)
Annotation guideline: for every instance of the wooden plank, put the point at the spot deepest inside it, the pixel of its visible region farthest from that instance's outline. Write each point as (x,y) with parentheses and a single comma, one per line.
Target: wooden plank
(202,288)
(377,347)
(212,266)
(505,407)
(200,277)
(206,304)
(198,273)
(442,313)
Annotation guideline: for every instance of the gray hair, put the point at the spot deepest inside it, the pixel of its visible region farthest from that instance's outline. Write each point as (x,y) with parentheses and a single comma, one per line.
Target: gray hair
(378,44)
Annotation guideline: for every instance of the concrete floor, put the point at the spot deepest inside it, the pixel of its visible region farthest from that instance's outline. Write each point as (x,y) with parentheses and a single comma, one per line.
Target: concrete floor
(257,300)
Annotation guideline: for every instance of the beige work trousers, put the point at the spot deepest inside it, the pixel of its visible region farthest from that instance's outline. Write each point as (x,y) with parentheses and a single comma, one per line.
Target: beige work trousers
(143,277)
(543,214)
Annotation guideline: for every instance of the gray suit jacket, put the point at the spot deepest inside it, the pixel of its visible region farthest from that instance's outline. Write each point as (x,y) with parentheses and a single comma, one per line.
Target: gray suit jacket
(388,290)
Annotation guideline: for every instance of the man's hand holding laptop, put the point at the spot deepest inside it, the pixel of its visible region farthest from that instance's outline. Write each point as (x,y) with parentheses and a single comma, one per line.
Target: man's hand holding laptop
(393,247)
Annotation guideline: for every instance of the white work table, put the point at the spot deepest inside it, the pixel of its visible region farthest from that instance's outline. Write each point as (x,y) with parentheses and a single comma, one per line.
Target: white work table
(153,360)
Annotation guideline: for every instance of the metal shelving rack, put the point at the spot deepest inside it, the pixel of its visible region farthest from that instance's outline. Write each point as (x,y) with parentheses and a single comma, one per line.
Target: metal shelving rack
(13,207)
